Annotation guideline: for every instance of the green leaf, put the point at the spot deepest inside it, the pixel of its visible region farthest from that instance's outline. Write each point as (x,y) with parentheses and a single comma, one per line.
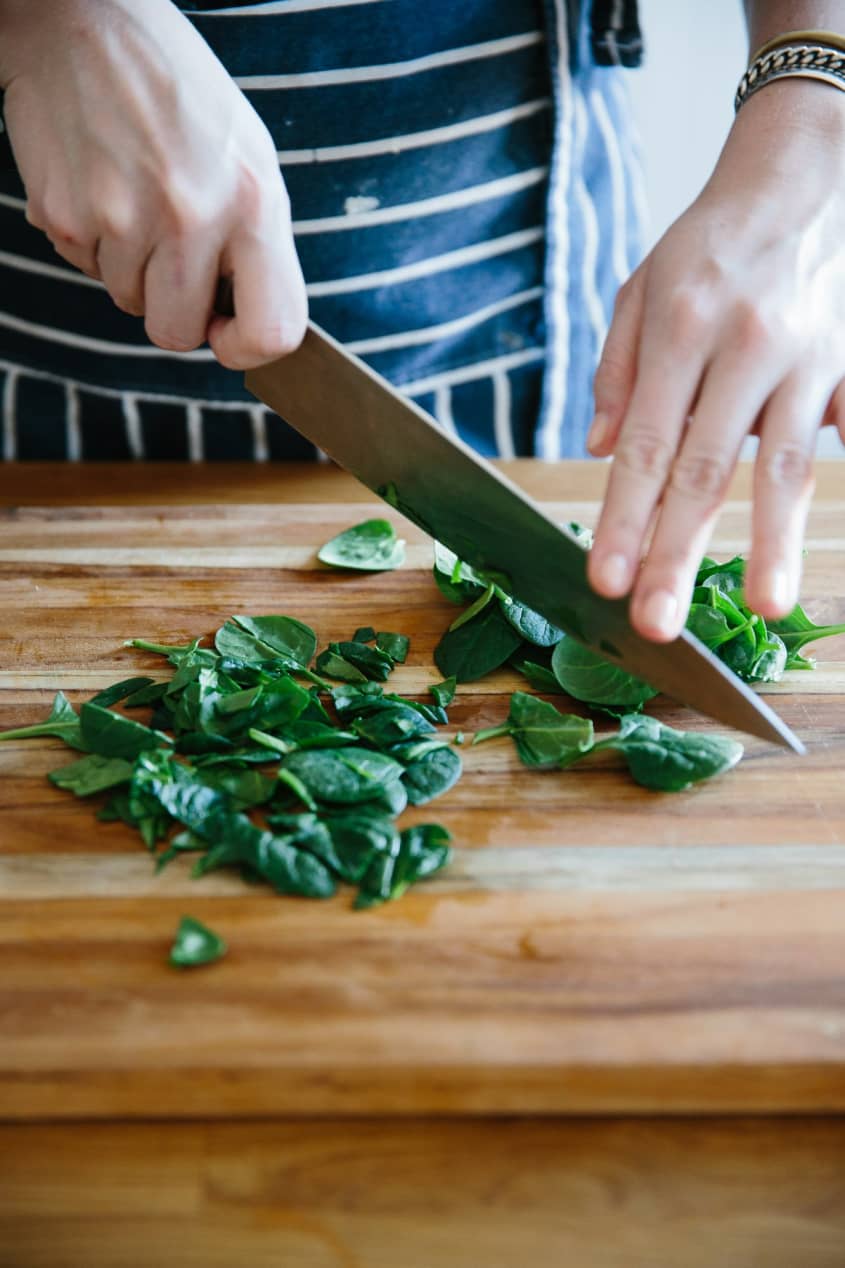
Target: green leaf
(259,638)
(391,723)
(335,666)
(667,760)
(542,734)
(370,662)
(444,692)
(586,676)
(393,645)
(111,735)
(127,687)
(533,627)
(477,648)
(540,676)
(92,774)
(432,773)
(478,605)
(364,634)
(423,850)
(63,723)
(343,776)
(195,944)
(371,546)
(797,630)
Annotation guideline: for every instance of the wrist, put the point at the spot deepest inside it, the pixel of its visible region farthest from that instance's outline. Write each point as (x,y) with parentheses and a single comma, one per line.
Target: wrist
(793,114)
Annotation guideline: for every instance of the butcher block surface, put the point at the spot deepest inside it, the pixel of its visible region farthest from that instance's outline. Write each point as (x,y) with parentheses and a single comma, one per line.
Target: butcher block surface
(593,947)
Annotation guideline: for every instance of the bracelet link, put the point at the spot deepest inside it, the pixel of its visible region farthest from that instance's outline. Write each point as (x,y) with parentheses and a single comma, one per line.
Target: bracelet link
(820,61)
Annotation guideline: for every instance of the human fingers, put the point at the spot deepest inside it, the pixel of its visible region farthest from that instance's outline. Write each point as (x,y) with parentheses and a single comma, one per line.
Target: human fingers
(783,487)
(179,283)
(617,369)
(271,309)
(670,365)
(733,390)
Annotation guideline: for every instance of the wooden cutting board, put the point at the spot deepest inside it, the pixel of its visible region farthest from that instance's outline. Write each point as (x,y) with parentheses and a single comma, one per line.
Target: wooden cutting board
(593,947)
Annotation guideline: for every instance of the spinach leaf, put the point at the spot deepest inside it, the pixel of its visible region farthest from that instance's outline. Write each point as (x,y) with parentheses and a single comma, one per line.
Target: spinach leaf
(391,723)
(586,676)
(533,627)
(444,692)
(111,735)
(423,850)
(343,776)
(371,546)
(351,700)
(120,691)
(364,634)
(152,826)
(336,666)
(540,676)
(543,736)
(92,774)
(797,630)
(63,723)
(667,760)
(176,653)
(433,772)
(195,944)
(370,662)
(288,869)
(475,649)
(393,645)
(260,638)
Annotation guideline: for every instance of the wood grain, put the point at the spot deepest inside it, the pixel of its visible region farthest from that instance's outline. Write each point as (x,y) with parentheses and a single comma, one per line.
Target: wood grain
(594,947)
(417,1193)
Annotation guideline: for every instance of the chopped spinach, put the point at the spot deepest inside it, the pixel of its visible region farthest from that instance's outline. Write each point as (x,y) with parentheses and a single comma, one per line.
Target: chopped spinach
(371,546)
(195,944)
(444,692)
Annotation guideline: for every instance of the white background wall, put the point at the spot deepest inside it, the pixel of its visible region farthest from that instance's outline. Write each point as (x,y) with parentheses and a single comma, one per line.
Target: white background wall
(696,51)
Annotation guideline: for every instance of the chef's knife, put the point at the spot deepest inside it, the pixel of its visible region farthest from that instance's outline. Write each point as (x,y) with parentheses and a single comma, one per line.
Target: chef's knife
(394,448)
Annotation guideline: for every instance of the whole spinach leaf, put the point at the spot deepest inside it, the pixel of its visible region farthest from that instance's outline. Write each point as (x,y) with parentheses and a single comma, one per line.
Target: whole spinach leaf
(667,760)
(585,675)
(542,734)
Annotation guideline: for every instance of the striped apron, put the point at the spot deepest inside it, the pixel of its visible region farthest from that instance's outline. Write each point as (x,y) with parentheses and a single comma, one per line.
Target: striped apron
(466,197)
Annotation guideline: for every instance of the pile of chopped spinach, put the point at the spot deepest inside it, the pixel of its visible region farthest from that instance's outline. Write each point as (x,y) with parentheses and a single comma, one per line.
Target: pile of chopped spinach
(251,759)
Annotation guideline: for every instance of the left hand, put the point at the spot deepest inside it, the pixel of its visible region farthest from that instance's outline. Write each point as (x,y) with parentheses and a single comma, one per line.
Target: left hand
(735,323)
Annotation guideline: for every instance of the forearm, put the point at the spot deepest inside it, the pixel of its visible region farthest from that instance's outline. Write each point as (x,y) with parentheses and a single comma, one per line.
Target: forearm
(768,18)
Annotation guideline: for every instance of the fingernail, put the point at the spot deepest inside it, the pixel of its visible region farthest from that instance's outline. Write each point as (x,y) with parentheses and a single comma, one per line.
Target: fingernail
(660,611)
(599,429)
(613,573)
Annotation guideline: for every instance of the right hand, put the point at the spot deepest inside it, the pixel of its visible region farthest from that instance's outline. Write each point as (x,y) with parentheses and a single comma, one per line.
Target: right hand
(148,169)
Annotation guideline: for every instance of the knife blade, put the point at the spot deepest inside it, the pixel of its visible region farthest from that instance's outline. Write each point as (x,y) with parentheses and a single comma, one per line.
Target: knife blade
(401,454)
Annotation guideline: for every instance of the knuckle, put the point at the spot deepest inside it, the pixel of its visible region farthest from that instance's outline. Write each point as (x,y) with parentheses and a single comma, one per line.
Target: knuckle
(688,313)
(699,476)
(788,466)
(754,331)
(645,453)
